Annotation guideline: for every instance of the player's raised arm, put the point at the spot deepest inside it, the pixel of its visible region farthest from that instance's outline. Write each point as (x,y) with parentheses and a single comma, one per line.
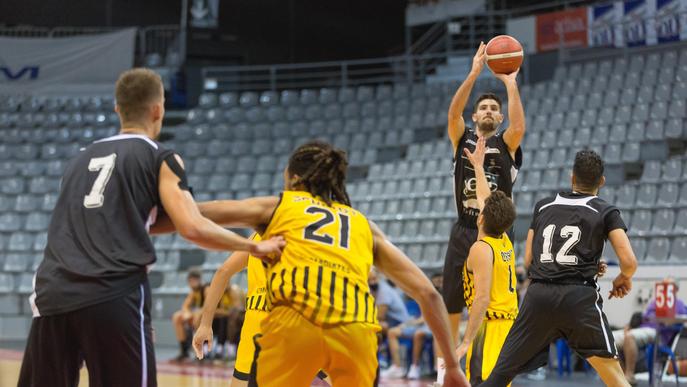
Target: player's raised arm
(622,284)
(397,266)
(528,249)
(477,160)
(234,264)
(456,124)
(480,261)
(192,225)
(516,114)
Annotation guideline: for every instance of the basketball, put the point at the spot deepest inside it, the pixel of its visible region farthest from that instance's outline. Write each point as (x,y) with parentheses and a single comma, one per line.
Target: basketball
(504,54)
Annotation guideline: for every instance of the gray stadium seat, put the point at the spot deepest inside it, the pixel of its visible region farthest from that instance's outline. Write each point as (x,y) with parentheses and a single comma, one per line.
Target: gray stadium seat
(582,137)
(666,75)
(631,152)
(269,98)
(680,226)
(207,100)
(646,195)
(625,196)
(658,249)
(618,133)
(678,249)
(641,222)
(639,246)
(652,171)
(663,222)
(383,92)
(346,95)
(20,241)
(672,170)
(249,99)
(668,195)
(674,129)
(677,109)
(291,97)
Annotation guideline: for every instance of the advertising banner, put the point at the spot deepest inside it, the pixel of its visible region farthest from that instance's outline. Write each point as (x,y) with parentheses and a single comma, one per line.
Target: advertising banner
(31,63)
(562,29)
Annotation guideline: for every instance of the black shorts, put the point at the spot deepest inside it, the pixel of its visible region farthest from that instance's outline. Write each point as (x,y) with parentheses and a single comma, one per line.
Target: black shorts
(114,339)
(459,245)
(549,312)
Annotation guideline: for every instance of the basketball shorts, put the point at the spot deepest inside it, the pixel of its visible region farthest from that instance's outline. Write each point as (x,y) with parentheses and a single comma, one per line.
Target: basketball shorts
(459,244)
(291,350)
(246,350)
(549,312)
(484,350)
(114,338)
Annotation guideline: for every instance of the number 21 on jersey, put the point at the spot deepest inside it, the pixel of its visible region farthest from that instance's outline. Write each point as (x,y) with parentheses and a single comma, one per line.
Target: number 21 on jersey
(571,234)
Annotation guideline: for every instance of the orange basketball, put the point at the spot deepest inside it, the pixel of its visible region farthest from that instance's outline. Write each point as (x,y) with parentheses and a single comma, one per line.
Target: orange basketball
(504,54)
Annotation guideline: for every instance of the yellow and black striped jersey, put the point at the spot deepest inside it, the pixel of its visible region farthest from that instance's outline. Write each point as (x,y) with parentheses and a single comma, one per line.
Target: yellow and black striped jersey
(503,300)
(256,297)
(198,297)
(324,267)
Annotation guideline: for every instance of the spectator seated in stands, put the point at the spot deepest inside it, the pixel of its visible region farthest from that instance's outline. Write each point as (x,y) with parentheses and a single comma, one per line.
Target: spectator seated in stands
(187,319)
(641,332)
(228,321)
(416,329)
(391,311)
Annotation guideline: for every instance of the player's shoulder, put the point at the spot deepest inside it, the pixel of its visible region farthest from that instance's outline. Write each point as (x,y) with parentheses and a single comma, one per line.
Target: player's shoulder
(543,202)
(601,205)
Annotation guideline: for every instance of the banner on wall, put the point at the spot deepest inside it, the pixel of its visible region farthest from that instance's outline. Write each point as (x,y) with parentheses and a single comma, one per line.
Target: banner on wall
(671,20)
(31,63)
(638,22)
(605,29)
(562,29)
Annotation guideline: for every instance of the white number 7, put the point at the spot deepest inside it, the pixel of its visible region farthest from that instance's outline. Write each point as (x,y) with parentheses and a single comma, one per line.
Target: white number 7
(105,165)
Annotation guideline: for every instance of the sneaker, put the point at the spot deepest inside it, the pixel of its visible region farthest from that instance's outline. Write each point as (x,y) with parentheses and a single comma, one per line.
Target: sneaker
(393,372)
(413,372)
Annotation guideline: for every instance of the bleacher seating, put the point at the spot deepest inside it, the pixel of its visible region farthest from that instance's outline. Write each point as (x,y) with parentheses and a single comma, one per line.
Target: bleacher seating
(235,145)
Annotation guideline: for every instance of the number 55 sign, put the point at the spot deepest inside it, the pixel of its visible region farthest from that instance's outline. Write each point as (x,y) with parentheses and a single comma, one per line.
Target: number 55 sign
(665,299)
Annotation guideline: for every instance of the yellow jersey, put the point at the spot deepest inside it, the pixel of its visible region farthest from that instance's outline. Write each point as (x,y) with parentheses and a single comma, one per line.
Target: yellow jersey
(323,270)
(256,297)
(503,301)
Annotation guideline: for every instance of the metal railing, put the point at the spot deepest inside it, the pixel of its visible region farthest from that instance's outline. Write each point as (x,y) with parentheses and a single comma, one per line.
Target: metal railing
(398,69)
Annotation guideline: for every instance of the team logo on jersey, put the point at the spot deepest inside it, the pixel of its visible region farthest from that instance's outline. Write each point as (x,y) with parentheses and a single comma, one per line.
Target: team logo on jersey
(506,255)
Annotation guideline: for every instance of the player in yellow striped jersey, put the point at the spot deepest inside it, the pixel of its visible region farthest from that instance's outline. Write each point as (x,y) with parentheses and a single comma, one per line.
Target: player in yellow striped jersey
(488,277)
(322,313)
(256,311)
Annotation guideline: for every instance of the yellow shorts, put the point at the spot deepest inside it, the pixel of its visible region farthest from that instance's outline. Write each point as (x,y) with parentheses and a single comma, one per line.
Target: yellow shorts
(485,349)
(291,351)
(246,350)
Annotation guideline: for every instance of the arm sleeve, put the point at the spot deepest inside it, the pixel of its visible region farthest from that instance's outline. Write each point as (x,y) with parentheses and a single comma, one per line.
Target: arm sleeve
(613,221)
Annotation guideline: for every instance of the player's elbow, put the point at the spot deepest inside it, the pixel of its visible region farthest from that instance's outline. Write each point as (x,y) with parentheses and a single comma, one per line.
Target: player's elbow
(191,231)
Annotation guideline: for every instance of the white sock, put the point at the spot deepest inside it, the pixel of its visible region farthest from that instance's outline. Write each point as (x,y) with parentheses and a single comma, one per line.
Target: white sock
(441,371)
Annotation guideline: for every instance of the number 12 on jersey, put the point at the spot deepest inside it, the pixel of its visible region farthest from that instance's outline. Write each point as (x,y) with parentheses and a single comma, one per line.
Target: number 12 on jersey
(571,234)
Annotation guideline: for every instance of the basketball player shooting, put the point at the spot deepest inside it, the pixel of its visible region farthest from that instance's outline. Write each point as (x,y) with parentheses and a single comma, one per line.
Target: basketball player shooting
(502,160)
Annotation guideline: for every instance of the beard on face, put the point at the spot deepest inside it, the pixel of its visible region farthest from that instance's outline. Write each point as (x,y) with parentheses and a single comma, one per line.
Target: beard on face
(487,125)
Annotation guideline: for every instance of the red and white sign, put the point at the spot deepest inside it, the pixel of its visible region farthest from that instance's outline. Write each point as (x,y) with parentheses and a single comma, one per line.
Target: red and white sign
(665,299)
(562,29)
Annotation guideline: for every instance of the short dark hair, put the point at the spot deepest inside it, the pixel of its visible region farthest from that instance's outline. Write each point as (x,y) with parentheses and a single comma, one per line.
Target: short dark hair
(135,90)
(194,273)
(484,96)
(588,169)
(498,213)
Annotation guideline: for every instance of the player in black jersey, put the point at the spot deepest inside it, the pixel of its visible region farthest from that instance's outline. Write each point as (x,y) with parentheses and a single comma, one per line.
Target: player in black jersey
(564,246)
(91,299)
(502,161)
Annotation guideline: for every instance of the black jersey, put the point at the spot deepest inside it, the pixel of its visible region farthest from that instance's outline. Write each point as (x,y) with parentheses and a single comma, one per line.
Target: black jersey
(570,231)
(499,167)
(98,245)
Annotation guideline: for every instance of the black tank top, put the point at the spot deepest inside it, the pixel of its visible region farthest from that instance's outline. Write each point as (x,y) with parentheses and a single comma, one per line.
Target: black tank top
(501,170)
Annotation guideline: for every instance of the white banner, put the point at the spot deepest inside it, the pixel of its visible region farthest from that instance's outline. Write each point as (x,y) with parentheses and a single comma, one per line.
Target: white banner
(29,64)
(605,27)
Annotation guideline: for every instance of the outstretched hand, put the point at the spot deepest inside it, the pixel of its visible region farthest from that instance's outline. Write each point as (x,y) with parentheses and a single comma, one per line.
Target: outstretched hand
(479,58)
(506,78)
(477,157)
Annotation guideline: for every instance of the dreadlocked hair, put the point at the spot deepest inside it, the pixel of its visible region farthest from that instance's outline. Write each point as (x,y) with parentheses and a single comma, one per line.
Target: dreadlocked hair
(321,170)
